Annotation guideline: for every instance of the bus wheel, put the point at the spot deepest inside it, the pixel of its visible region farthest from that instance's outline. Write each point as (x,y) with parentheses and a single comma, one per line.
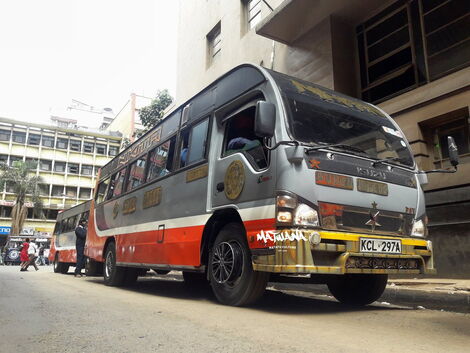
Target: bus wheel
(56,263)
(231,273)
(64,268)
(93,268)
(131,276)
(360,289)
(113,275)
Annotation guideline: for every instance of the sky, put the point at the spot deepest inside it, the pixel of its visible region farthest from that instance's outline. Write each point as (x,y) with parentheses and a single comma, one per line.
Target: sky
(95,51)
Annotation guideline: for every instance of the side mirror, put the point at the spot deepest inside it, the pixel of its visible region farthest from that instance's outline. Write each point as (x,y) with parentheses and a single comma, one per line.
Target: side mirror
(265,119)
(453,151)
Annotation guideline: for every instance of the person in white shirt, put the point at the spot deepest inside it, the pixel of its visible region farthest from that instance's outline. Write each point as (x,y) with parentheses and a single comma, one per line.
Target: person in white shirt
(33,252)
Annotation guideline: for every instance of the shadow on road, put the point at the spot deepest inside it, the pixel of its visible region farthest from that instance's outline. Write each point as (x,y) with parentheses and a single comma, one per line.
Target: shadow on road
(272,302)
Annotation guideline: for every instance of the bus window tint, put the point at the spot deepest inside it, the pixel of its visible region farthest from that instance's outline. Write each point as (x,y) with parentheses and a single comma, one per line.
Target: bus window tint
(137,173)
(197,142)
(102,191)
(160,160)
(117,182)
(184,148)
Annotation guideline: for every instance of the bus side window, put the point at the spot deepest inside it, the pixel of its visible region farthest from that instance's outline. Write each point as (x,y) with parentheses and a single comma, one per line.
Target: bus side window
(240,137)
(193,144)
(117,183)
(102,191)
(57,228)
(85,215)
(137,173)
(160,160)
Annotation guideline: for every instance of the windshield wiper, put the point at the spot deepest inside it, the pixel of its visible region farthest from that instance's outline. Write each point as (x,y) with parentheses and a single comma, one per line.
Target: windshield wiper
(339,145)
(390,159)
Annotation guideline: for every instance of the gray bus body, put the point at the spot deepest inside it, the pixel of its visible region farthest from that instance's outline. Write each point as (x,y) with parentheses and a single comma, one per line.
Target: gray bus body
(334,192)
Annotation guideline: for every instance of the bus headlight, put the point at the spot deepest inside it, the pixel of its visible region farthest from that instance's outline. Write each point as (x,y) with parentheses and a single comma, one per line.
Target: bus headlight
(305,216)
(419,229)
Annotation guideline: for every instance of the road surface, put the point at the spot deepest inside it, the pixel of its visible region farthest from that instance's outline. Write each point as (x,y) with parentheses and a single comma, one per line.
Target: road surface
(47,312)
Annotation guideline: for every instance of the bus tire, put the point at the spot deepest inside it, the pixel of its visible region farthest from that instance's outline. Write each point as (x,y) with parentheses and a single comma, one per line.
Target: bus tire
(231,274)
(56,264)
(131,276)
(93,268)
(359,290)
(113,275)
(64,268)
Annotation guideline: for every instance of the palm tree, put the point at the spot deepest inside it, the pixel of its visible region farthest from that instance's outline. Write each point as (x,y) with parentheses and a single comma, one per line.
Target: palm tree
(26,187)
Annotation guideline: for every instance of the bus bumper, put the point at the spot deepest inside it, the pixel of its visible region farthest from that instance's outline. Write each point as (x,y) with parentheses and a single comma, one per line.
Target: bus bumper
(339,253)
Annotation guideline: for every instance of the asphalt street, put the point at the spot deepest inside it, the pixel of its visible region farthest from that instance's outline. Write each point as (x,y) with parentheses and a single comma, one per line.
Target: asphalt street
(47,312)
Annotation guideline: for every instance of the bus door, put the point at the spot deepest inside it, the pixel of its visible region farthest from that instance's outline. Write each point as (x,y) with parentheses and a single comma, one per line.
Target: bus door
(242,175)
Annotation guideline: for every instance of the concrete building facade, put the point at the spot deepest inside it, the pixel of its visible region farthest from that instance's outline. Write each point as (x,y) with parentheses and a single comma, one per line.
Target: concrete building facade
(410,57)
(127,120)
(67,159)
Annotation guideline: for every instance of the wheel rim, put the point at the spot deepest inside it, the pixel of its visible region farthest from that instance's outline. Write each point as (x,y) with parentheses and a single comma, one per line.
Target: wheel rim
(109,264)
(227,262)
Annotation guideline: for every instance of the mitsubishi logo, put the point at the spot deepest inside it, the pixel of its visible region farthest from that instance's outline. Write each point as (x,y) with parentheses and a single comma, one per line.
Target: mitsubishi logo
(374,215)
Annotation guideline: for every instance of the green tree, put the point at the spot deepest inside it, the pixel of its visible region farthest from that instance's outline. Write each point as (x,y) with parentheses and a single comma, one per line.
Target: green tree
(25,185)
(153,113)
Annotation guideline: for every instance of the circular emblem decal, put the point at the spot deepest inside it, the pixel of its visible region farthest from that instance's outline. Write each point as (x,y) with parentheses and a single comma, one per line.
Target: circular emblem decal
(234,180)
(115,210)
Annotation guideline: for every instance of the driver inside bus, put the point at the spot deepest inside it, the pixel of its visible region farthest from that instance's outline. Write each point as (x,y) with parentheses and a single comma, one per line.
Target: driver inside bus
(241,134)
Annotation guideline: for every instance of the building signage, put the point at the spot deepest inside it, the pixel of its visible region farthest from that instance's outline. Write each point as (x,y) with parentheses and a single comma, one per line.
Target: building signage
(5,230)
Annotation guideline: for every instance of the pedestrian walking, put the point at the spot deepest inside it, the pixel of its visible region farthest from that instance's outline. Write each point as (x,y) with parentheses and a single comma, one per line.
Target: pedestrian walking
(33,252)
(24,254)
(42,261)
(80,233)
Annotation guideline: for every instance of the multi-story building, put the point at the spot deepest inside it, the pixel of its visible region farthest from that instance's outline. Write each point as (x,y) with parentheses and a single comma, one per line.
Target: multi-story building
(127,120)
(410,57)
(68,160)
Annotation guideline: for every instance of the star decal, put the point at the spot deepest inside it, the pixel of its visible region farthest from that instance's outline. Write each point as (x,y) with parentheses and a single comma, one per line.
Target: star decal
(314,164)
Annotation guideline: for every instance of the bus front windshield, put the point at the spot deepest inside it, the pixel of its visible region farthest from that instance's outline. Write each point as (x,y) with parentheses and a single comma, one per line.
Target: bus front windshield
(315,123)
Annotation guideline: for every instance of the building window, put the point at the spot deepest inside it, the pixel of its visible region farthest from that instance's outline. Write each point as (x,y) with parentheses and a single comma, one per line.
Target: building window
(45,165)
(411,43)
(5,135)
(85,193)
(59,167)
(34,139)
(3,158)
(436,130)
(113,150)
(252,12)
(75,145)
(87,169)
(51,214)
(88,147)
(71,191)
(19,136)
(58,190)
(214,40)
(6,211)
(48,141)
(14,159)
(62,143)
(100,149)
(72,168)
(446,31)
(44,189)
(9,186)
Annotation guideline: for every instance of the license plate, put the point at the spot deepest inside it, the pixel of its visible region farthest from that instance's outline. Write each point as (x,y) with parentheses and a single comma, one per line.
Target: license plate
(384,246)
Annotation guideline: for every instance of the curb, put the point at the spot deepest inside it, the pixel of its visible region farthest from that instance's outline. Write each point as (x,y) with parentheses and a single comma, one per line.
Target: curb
(418,299)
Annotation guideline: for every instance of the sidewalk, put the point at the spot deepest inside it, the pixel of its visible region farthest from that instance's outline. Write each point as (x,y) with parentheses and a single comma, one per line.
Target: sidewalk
(420,293)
